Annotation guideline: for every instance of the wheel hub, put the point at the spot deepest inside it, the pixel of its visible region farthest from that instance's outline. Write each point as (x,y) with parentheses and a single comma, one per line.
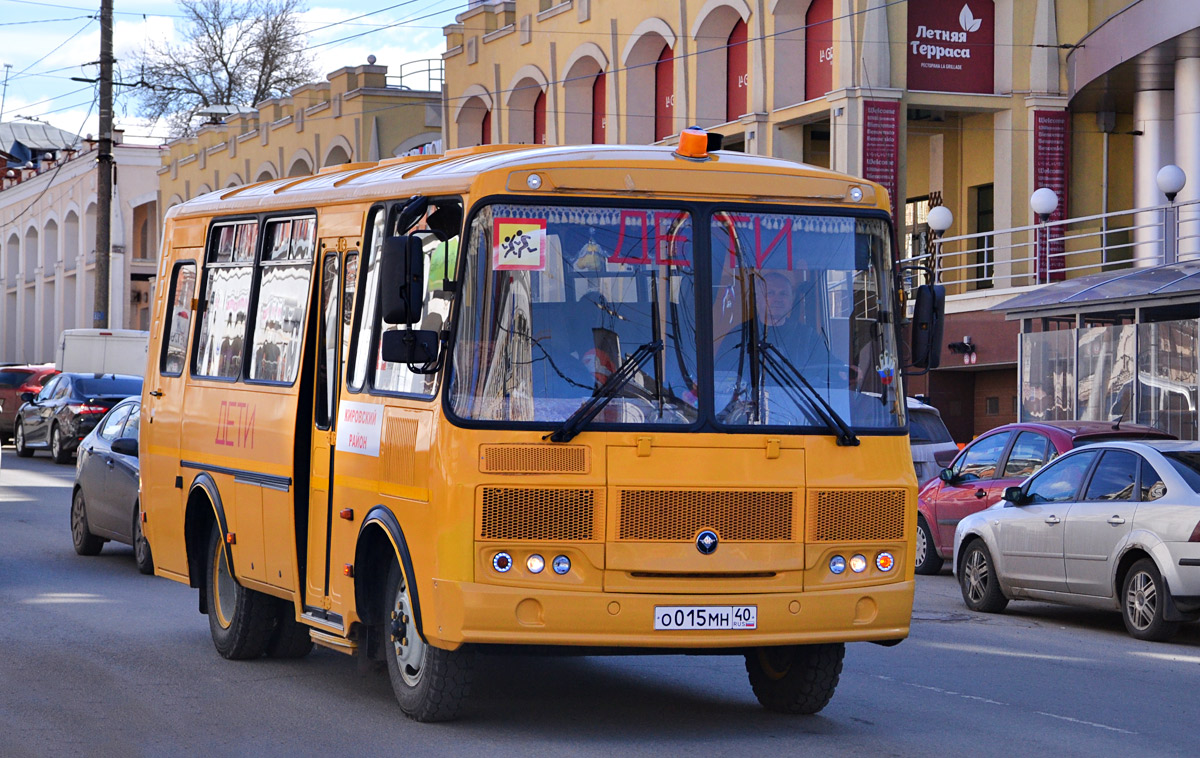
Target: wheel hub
(407,645)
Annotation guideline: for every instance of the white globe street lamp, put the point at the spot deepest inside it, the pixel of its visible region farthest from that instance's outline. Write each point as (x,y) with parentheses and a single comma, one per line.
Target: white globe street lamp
(1043,201)
(1171,181)
(940,219)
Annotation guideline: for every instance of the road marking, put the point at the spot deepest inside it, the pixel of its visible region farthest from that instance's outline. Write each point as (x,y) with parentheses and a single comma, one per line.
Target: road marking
(1169,657)
(940,691)
(1085,723)
(54,598)
(1001,652)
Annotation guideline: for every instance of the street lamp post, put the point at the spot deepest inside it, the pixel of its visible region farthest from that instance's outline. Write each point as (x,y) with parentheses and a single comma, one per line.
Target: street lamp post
(1170,180)
(1043,201)
(940,219)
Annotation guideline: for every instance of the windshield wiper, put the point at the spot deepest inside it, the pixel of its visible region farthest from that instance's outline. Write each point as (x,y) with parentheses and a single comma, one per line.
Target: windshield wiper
(605,392)
(769,354)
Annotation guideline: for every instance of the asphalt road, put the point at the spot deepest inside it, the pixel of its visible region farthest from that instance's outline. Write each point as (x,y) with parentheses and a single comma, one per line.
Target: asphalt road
(99,660)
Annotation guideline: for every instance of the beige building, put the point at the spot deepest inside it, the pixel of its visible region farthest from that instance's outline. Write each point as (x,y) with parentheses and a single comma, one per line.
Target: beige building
(48,246)
(358,114)
(971,104)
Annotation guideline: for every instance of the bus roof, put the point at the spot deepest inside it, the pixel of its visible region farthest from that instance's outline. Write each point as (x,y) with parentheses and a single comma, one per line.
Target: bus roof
(563,170)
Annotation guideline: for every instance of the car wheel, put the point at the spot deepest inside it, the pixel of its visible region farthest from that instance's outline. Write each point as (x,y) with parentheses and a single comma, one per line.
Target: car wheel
(57,451)
(141,548)
(82,538)
(797,679)
(430,684)
(928,560)
(19,440)
(239,618)
(290,638)
(980,585)
(1144,594)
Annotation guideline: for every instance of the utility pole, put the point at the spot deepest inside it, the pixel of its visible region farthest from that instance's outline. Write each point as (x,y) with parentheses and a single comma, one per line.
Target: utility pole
(105,166)
(4,94)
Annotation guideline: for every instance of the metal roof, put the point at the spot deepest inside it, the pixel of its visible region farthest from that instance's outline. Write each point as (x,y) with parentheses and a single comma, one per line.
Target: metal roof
(35,136)
(1110,291)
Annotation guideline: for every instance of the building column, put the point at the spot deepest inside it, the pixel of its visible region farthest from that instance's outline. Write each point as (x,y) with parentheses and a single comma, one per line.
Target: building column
(1187,150)
(1154,117)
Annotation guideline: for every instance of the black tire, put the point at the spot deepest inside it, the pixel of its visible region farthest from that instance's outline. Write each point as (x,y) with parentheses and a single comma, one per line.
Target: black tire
(430,684)
(23,450)
(239,618)
(82,538)
(1143,598)
(978,581)
(59,453)
(796,679)
(927,558)
(290,639)
(141,547)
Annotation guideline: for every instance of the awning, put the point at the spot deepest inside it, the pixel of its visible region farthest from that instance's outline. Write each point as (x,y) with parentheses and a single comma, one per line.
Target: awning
(1128,288)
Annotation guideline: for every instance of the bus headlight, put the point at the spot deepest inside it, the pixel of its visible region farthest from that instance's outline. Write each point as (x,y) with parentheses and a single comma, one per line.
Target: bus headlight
(837,564)
(502,562)
(562,564)
(858,564)
(535,563)
(885,561)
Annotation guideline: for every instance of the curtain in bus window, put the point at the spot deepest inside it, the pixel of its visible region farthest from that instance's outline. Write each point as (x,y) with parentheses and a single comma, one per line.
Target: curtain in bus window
(283,292)
(223,324)
(362,345)
(179,319)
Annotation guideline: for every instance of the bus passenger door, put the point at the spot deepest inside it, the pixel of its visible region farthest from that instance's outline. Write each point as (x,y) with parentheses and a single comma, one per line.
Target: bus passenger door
(324,433)
(162,418)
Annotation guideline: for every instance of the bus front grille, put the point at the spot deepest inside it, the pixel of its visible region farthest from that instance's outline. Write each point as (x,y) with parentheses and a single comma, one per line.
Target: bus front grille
(533,459)
(540,513)
(678,515)
(854,515)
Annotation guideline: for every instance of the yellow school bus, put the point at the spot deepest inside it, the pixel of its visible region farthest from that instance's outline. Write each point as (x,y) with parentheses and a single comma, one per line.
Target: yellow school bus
(606,398)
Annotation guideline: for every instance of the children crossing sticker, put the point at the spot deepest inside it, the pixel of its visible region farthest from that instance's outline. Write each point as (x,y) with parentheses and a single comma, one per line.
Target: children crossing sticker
(519,244)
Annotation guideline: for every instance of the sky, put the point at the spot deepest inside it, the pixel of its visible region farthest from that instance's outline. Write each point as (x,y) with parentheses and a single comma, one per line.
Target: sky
(47,43)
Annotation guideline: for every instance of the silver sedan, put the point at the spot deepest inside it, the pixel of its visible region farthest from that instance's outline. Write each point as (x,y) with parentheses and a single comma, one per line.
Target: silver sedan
(1114,525)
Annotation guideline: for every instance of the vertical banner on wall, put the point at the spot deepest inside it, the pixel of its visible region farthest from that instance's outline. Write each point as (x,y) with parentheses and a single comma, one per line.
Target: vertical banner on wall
(1051,167)
(950,45)
(818,49)
(881,145)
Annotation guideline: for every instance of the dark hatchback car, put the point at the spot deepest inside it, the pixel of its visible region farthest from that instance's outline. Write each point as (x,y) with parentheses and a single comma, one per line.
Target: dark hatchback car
(14,381)
(1003,457)
(67,408)
(104,501)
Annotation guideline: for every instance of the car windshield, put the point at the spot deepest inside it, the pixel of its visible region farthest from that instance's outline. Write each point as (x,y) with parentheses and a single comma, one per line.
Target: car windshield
(1187,465)
(803,299)
(926,427)
(108,385)
(561,297)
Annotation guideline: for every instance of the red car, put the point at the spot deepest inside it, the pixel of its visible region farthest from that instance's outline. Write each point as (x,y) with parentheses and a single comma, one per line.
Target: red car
(13,381)
(1004,457)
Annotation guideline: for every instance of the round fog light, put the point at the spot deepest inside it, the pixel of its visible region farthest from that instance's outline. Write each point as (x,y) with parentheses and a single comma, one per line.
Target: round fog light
(502,562)
(856,194)
(858,564)
(837,564)
(533,181)
(562,564)
(535,563)
(885,561)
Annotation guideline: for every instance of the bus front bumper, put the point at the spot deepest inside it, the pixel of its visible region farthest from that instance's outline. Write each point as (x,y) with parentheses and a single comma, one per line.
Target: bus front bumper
(464,612)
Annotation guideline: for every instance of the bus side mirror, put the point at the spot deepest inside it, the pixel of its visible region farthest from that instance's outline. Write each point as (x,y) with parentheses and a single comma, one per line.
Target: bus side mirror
(402,271)
(929,311)
(410,346)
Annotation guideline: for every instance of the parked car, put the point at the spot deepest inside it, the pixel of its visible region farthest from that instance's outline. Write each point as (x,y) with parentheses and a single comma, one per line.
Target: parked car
(1003,457)
(932,446)
(66,409)
(1114,526)
(15,380)
(104,500)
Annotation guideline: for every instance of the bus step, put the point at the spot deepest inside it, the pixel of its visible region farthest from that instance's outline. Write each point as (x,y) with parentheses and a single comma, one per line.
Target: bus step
(340,644)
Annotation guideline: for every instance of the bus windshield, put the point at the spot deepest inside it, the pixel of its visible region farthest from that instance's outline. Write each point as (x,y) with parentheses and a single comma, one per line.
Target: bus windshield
(557,298)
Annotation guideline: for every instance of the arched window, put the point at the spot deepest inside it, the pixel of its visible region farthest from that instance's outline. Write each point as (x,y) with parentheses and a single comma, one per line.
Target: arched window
(584,96)
(721,62)
(526,104)
(649,82)
(664,94)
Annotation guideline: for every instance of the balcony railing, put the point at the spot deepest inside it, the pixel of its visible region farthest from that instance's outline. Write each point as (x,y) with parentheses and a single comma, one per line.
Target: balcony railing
(1040,253)
(427,75)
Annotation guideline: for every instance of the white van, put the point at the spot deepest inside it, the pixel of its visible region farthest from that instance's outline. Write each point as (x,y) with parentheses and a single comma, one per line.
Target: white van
(102,351)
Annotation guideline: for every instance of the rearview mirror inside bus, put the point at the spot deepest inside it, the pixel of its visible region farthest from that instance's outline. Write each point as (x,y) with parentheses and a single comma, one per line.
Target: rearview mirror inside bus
(410,346)
(929,308)
(403,274)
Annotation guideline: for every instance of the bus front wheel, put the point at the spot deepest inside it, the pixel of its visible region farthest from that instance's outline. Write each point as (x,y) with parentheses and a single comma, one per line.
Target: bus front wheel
(431,684)
(241,619)
(798,679)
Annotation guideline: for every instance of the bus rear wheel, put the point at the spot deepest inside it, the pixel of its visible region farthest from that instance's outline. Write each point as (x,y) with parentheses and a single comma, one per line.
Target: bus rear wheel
(240,619)
(431,684)
(797,679)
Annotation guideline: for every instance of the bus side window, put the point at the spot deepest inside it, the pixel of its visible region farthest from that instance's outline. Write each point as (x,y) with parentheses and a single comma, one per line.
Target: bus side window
(370,300)
(327,341)
(283,287)
(227,277)
(179,319)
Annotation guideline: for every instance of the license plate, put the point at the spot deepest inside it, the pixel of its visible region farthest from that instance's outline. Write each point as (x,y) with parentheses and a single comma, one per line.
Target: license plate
(705,617)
